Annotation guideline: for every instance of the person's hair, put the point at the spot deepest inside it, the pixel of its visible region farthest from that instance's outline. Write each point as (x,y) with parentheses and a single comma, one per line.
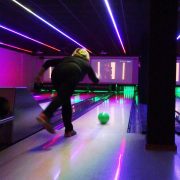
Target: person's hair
(82,53)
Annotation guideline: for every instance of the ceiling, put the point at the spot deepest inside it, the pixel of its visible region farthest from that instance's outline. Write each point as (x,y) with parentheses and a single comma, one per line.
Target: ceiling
(86,21)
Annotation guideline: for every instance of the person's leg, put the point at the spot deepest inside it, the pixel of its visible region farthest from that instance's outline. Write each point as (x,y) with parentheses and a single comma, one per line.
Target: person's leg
(53,106)
(67,114)
(70,78)
(68,90)
(64,78)
(45,116)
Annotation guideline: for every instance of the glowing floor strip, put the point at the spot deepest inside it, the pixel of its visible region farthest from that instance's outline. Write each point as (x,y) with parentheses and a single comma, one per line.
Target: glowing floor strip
(118,169)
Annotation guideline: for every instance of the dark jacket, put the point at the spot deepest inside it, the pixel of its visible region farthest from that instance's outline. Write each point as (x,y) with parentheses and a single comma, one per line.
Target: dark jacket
(83,65)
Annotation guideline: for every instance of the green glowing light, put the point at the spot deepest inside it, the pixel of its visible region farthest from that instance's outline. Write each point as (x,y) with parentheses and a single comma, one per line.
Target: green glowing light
(100,91)
(129,91)
(177,92)
(80,91)
(96,99)
(137,99)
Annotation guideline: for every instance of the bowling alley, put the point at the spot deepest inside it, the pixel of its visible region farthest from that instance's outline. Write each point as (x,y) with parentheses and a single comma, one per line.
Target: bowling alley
(89,90)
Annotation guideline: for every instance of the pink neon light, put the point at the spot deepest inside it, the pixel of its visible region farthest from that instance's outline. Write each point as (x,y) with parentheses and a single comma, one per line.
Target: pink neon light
(15,32)
(98,73)
(51,142)
(15,47)
(113,67)
(177,72)
(122,148)
(123,71)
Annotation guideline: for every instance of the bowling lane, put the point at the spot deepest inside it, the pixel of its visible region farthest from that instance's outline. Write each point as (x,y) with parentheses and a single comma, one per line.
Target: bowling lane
(177,107)
(43,96)
(94,153)
(74,99)
(48,96)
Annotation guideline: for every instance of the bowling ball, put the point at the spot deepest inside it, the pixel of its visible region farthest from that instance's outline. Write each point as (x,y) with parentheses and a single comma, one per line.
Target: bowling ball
(4,107)
(103,117)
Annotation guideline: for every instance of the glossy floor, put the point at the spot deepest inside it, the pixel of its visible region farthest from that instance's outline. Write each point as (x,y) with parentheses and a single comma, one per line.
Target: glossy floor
(97,152)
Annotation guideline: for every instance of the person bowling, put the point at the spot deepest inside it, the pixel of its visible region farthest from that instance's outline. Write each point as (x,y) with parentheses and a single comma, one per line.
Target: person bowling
(67,73)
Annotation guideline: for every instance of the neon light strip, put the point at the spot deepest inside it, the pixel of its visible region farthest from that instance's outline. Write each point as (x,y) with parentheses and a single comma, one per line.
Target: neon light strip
(15,32)
(114,23)
(49,24)
(177,72)
(51,142)
(123,71)
(121,153)
(57,175)
(113,67)
(77,151)
(50,71)
(15,47)
(178,37)
(98,73)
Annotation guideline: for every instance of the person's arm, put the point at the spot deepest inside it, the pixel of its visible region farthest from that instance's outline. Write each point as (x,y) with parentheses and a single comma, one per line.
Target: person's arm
(45,66)
(39,75)
(92,75)
(51,63)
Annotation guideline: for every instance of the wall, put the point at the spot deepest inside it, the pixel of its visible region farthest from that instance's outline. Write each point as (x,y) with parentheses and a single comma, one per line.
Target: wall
(18,69)
(110,70)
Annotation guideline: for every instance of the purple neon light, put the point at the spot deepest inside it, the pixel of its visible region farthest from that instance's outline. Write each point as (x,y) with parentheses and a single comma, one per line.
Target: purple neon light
(114,23)
(15,47)
(49,24)
(178,37)
(20,34)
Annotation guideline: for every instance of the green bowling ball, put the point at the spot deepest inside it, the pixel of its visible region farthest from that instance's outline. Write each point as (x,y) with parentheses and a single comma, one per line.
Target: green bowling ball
(103,117)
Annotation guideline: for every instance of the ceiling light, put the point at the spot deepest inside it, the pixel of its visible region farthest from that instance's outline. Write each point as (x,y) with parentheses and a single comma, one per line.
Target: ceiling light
(20,34)
(49,24)
(114,23)
(15,47)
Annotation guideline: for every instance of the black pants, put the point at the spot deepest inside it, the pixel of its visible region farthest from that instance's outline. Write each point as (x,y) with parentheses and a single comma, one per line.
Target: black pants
(64,79)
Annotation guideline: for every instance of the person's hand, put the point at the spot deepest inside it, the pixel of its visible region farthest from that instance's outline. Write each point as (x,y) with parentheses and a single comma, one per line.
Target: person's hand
(97,75)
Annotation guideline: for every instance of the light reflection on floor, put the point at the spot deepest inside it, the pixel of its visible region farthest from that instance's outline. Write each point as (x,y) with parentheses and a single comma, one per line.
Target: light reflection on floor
(97,152)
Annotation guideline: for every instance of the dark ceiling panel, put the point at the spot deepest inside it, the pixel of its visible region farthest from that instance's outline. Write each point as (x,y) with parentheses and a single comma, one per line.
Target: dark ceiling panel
(86,21)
